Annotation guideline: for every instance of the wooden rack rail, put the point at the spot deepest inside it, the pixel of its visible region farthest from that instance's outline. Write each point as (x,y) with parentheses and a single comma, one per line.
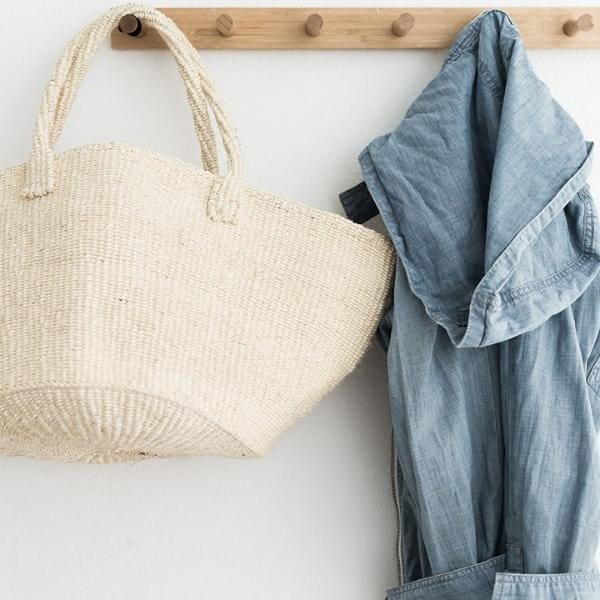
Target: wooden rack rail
(357,28)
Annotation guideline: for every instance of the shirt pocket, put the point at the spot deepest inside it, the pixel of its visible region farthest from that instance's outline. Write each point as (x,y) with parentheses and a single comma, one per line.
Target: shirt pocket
(594,376)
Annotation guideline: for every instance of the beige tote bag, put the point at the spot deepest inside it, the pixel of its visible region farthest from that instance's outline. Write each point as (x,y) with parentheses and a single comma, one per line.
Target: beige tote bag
(151,307)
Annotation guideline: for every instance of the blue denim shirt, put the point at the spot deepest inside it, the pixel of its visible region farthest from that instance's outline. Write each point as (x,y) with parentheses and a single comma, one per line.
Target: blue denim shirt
(493,339)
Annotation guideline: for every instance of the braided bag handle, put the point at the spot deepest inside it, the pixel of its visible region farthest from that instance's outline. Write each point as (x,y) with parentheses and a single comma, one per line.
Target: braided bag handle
(59,95)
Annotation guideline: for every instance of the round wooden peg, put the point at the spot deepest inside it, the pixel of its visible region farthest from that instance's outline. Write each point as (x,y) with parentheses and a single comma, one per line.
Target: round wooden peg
(574,26)
(403,24)
(314,25)
(225,25)
(130,25)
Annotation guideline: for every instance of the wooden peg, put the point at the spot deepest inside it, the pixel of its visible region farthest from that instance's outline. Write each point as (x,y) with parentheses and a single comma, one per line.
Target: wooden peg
(225,25)
(130,25)
(574,26)
(403,24)
(314,25)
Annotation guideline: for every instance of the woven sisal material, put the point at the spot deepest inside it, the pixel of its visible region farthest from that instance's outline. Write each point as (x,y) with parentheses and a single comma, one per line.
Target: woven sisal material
(150,307)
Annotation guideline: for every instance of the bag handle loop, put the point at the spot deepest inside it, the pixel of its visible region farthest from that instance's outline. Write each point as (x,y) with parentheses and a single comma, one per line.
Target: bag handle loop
(68,74)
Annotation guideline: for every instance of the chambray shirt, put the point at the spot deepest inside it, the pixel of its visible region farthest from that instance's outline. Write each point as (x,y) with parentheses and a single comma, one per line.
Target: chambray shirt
(493,339)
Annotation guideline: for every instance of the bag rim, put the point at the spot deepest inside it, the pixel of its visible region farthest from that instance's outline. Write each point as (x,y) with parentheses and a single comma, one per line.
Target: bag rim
(197,170)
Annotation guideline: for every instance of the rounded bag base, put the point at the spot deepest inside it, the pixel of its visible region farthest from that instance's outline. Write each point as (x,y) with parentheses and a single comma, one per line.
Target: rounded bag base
(102,425)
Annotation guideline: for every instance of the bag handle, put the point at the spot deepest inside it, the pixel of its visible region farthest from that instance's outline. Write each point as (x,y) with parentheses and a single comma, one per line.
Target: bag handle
(68,74)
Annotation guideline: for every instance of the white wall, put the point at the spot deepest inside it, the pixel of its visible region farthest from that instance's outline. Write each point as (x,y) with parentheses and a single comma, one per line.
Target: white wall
(314,520)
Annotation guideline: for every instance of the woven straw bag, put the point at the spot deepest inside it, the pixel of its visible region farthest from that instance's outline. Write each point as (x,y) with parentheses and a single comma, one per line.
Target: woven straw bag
(149,307)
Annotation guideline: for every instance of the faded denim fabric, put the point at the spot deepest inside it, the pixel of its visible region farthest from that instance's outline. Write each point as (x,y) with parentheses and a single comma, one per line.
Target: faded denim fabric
(493,339)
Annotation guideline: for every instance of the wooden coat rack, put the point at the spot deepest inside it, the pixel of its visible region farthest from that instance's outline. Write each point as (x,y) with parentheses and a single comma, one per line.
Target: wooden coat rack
(356,28)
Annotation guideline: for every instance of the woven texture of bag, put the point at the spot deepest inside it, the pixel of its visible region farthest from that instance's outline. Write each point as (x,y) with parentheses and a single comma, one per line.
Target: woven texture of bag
(150,307)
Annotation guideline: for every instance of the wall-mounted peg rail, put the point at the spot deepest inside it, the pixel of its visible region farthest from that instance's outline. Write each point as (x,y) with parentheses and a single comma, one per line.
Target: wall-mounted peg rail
(357,28)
